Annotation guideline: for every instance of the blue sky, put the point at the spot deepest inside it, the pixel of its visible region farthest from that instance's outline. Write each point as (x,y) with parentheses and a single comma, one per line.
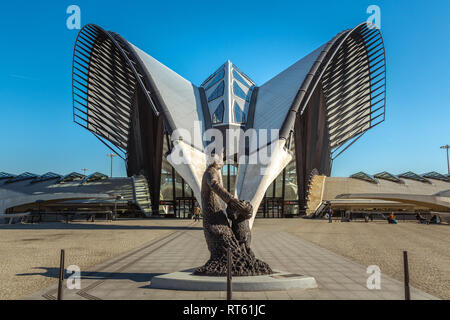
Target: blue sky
(194,38)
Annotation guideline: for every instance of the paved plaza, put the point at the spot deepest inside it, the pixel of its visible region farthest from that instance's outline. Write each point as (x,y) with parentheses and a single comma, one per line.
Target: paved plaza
(128,276)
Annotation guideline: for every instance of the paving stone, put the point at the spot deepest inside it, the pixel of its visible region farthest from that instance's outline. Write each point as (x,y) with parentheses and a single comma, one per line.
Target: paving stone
(129,275)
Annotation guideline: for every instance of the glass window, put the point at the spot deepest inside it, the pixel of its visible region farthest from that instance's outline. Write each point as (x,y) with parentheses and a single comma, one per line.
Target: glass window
(240,79)
(166,183)
(216,79)
(413,176)
(218,92)
(291,187)
(279,185)
(229,170)
(178,185)
(224,171)
(239,115)
(388,176)
(364,176)
(239,92)
(436,175)
(217,116)
(71,177)
(23,176)
(166,186)
(4,175)
(233,174)
(269,191)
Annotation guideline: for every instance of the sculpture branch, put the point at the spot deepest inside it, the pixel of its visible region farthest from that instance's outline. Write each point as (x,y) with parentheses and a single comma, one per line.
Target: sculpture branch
(227,228)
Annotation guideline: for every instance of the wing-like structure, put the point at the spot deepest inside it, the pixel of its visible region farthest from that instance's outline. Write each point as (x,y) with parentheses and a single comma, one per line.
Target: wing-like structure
(141,109)
(350,73)
(181,99)
(129,101)
(276,96)
(321,104)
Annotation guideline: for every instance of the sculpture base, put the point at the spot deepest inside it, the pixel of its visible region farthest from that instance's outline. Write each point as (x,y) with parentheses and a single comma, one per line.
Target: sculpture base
(186,280)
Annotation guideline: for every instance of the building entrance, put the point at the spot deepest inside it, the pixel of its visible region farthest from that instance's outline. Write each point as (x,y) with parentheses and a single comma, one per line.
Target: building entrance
(273,207)
(185,207)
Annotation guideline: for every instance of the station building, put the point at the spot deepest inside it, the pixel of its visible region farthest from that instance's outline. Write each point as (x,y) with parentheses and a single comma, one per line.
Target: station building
(149,115)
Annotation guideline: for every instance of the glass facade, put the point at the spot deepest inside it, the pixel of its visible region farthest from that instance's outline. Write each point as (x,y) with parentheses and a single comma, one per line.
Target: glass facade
(413,176)
(240,79)
(239,92)
(229,174)
(176,196)
(388,176)
(23,176)
(47,176)
(217,116)
(216,79)
(239,115)
(218,92)
(280,200)
(364,176)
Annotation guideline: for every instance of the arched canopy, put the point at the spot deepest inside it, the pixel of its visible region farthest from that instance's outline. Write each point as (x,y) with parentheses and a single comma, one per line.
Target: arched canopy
(350,71)
(128,100)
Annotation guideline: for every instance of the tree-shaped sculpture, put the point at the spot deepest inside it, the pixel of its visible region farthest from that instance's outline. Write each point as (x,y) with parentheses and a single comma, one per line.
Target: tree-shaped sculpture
(227,228)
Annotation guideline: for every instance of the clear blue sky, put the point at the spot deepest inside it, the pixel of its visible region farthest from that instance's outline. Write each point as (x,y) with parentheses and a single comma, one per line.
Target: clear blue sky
(194,38)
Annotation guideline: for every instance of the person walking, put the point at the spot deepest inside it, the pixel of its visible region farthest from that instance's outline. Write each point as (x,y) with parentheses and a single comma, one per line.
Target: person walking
(197,213)
(330,215)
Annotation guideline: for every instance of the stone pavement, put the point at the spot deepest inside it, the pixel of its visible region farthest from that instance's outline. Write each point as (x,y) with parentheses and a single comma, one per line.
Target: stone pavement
(128,276)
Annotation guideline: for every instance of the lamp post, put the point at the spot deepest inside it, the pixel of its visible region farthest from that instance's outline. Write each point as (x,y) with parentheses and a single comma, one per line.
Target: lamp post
(448,163)
(112,155)
(84,170)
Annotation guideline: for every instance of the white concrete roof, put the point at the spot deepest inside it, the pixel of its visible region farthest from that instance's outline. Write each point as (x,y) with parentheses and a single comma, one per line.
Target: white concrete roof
(275,97)
(181,97)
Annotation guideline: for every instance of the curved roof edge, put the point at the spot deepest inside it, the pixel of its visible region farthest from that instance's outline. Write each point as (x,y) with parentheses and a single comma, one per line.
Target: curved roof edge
(105,74)
(107,70)
(373,69)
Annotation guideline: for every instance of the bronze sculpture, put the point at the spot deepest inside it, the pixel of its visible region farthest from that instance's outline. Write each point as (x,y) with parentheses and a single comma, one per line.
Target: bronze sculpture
(227,228)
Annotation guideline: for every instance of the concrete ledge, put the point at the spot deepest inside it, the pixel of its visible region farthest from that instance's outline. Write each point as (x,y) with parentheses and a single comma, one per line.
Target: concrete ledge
(185,280)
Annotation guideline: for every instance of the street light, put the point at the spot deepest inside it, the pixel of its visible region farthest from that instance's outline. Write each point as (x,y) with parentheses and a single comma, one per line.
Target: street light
(84,170)
(112,155)
(448,163)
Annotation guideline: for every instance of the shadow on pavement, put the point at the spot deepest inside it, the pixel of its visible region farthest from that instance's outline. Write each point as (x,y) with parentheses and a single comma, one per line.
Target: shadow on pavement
(90,226)
(92,275)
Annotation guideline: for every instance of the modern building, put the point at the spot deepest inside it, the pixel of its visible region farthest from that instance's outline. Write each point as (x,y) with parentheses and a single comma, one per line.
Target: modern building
(383,192)
(148,114)
(55,197)
(153,118)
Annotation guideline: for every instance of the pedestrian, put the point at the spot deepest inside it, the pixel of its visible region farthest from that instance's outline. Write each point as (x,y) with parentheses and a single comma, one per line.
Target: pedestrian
(392,219)
(197,213)
(330,215)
